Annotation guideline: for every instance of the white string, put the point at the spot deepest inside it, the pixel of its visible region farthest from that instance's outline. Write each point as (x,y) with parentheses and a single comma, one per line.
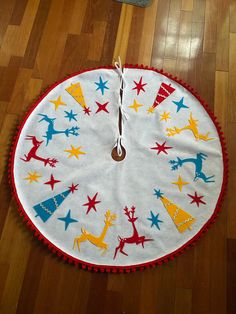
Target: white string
(119,147)
(124,114)
(120,70)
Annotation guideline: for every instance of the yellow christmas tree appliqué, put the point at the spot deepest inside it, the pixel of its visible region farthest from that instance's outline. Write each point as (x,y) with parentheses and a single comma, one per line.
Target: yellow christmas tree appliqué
(181,218)
(75,90)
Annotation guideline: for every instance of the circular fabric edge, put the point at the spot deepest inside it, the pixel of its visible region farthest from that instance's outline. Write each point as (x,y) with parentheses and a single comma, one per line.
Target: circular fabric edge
(106,268)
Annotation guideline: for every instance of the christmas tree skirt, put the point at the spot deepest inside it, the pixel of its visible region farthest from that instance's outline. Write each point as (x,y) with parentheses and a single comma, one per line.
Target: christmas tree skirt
(117,199)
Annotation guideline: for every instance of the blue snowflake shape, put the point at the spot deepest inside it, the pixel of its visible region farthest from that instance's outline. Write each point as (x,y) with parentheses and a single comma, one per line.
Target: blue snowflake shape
(180,104)
(155,221)
(67,219)
(70,115)
(158,193)
(101,85)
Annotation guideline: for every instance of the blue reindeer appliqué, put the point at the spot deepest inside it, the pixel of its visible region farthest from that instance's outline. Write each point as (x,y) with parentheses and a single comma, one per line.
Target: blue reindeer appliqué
(51,129)
(198,161)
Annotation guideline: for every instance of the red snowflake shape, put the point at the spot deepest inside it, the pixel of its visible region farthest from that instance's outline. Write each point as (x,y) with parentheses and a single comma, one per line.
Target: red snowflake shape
(161,148)
(91,203)
(196,199)
(87,111)
(102,107)
(52,181)
(139,86)
(73,187)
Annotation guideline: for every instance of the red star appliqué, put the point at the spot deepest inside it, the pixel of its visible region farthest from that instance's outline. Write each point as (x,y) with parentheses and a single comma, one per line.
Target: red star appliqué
(52,182)
(161,148)
(139,86)
(196,199)
(73,188)
(92,203)
(102,107)
(87,111)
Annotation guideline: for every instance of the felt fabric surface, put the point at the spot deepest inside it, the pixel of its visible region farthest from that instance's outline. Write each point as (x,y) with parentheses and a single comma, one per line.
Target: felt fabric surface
(130,213)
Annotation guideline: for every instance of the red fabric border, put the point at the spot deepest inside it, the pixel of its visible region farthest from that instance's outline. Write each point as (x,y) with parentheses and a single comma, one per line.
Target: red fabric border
(131,268)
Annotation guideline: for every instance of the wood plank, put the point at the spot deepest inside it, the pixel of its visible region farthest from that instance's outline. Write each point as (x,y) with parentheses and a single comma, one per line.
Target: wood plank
(19,91)
(18,12)
(231,275)
(96,41)
(147,34)
(36,34)
(206,79)
(14,249)
(6,9)
(134,33)
(73,58)
(199,7)
(122,36)
(169,66)
(222,45)
(77,17)
(231,221)
(218,257)
(201,276)
(97,297)
(221,98)
(149,291)
(232,78)
(6,135)
(187,5)
(183,301)
(9,75)
(35,262)
(171,47)
(112,27)
(184,45)
(48,64)
(12,47)
(210,31)
(232,16)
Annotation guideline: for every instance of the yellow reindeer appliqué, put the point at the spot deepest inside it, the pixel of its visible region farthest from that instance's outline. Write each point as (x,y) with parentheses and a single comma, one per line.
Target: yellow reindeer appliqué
(96,240)
(193,127)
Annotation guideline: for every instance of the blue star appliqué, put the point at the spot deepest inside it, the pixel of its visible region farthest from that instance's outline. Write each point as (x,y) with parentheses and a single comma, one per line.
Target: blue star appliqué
(155,221)
(70,115)
(101,85)
(180,104)
(67,219)
(158,193)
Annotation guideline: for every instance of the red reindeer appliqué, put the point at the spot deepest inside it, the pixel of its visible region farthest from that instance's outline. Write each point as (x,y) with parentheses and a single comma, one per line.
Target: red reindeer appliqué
(135,238)
(32,154)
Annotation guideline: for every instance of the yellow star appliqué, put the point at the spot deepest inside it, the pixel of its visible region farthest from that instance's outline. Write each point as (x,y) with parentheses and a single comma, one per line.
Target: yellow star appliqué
(135,106)
(150,109)
(33,177)
(165,116)
(58,102)
(74,151)
(180,183)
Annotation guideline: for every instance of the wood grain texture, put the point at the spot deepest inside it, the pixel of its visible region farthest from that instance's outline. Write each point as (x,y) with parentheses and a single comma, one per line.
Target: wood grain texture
(42,41)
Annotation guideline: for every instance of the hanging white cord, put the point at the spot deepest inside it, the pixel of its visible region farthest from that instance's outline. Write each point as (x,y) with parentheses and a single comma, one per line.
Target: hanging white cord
(119,147)
(120,71)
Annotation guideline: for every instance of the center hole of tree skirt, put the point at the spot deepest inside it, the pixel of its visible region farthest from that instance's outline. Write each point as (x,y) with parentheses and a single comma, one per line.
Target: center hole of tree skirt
(115,156)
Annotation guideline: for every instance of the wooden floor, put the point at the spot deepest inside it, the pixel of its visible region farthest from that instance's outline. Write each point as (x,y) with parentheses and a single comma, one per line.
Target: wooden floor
(44,40)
